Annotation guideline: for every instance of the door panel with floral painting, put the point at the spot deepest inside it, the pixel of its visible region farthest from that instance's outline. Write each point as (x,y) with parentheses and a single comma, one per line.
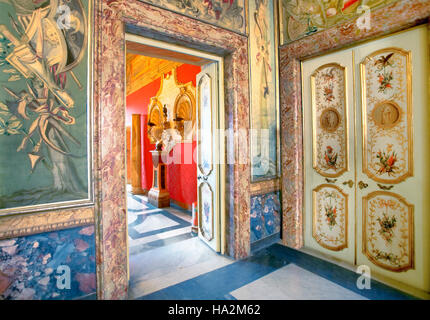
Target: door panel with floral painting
(329,172)
(366,172)
(393,229)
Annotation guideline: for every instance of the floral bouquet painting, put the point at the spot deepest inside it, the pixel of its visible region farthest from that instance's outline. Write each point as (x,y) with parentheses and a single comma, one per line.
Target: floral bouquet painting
(387,161)
(331,214)
(387,226)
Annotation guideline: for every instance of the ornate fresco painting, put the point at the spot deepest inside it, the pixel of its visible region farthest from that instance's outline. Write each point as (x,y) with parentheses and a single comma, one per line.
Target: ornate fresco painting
(388,238)
(329,114)
(330,217)
(387,112)
(206,211)
(263,71)
(229,14)
(301,18)
(44,108)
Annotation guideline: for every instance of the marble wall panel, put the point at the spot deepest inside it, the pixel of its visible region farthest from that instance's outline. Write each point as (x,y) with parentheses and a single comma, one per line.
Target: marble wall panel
(141,18)
(265,215)
(33,267)
(229,14)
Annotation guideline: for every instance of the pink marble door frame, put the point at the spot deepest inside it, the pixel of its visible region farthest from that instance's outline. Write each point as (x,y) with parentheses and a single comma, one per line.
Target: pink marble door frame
(397,16)
(112,17)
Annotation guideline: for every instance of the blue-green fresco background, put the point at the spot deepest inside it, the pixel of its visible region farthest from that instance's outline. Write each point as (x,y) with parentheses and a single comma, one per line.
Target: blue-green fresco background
(15,170)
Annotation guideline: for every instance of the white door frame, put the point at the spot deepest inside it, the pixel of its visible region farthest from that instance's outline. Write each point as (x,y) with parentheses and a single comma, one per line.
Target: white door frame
(221,116)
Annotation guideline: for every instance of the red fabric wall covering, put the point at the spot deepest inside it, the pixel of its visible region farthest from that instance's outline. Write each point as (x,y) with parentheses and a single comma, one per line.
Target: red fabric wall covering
(128,143)
(181,178)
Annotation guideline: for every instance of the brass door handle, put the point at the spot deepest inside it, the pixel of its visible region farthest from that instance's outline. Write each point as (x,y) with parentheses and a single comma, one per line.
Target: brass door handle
(350,183)
(385,187)
(362,185)
(330,180)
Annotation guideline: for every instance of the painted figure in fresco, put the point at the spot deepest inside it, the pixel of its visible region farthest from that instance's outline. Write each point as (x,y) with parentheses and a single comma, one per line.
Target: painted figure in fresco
(27,7)
(330,120)
(263,43)
(227,11)
(387,115)
(43,49)
(305,17)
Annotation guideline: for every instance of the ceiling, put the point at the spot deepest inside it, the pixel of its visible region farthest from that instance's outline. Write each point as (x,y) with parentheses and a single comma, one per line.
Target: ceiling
(146,64)
(142,70)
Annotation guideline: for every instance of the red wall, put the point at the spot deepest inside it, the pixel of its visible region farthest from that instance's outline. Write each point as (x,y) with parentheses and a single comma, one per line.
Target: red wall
(128,142)
(181,178)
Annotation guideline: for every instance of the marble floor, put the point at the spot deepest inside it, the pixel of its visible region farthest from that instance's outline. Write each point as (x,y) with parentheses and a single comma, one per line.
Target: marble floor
(168,262)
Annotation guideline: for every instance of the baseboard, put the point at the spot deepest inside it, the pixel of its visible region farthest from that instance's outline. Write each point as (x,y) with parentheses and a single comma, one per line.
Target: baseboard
(265,242)
(182,205)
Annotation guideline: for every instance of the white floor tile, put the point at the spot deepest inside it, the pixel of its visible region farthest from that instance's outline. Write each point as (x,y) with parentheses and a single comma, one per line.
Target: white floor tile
(294,283)
(155,222)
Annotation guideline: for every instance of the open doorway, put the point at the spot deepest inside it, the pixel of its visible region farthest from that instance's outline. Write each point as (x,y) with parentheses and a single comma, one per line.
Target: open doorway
(175,172)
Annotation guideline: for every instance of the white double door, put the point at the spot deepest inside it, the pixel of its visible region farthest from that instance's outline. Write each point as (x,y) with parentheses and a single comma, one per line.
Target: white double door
(366,147)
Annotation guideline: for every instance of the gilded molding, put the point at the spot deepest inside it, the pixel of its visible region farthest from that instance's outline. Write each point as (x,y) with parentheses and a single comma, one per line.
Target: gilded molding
(330,120)
(264,187)
(378,230)
(385,136)
(27,224)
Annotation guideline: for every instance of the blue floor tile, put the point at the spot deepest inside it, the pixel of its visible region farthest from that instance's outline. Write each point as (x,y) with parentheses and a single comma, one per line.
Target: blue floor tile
(218,284)
(161,243)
